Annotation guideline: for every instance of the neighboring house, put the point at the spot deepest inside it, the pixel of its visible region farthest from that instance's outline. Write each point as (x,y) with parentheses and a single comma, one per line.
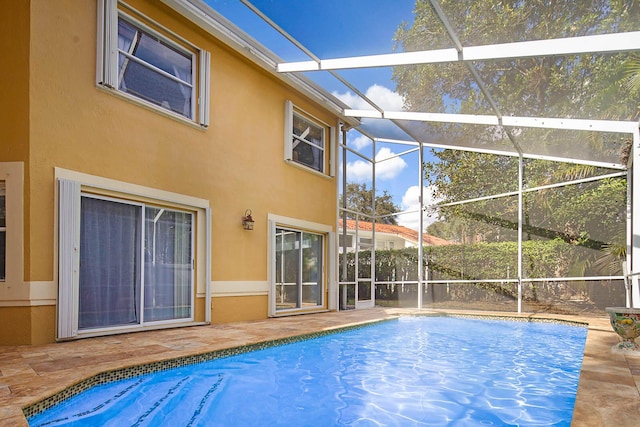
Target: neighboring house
(135,138)
(386,236)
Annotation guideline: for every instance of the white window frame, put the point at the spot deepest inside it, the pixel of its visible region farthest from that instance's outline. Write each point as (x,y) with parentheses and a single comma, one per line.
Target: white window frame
(291,140)
(72,186)
(107,72)
(3,228)
(12,173)
(329,267)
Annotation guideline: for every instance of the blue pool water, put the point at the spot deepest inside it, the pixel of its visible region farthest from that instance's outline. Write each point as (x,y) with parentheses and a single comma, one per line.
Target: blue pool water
(422,371)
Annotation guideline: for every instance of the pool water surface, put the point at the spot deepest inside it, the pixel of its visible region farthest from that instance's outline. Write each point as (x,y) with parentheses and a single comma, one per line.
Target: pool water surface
(414,371)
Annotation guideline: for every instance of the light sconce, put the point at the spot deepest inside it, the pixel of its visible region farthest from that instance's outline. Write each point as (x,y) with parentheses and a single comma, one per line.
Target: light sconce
(247,220)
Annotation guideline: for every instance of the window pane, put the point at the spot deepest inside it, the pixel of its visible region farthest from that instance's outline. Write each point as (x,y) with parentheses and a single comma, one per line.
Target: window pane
(142,77)
(364,291)
(167,274)
(109,263)
(3,232)
(159,54)
(3,207)
(308,143)
(3,254)
(312,269)
(287,268)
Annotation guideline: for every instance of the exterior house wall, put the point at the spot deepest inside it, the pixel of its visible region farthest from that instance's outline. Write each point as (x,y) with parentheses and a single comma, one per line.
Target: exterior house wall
(14,152)
(14,81)
(387,236)
(383,240)
(235,164)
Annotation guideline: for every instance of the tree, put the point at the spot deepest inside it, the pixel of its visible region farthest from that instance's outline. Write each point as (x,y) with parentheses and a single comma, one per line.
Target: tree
(360,198)
(576,86)
(556,86)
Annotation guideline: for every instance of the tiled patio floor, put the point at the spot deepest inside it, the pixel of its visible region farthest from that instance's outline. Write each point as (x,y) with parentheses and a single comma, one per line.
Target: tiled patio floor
(608,392)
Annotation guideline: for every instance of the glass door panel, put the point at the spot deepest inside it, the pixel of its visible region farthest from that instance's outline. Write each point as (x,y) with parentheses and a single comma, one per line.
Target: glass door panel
(287,268)
(168,267)
(3,230)
(312,270)
(109,289)
(133,259)
(364,291)
(299,269)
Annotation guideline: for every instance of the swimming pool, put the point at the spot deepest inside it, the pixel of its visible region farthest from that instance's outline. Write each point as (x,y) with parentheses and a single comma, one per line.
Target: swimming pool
(435,371)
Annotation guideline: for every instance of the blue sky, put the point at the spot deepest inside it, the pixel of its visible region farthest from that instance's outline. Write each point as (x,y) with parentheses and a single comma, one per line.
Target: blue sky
(345,29)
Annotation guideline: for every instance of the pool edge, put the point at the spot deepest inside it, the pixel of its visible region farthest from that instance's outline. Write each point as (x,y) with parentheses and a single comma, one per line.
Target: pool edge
(134,370)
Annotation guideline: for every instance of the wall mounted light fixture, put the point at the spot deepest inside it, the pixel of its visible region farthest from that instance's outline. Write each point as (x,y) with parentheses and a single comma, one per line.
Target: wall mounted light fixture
(247,220)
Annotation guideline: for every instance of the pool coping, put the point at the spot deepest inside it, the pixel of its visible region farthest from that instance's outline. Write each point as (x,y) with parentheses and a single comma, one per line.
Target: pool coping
(163,365)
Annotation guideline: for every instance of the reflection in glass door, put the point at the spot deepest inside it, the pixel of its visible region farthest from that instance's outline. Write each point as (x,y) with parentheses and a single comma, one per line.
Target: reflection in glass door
(299,269)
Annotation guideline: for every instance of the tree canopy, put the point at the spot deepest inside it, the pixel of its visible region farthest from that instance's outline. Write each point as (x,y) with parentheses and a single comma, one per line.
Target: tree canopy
(590,86)
(360,199)
(556,86)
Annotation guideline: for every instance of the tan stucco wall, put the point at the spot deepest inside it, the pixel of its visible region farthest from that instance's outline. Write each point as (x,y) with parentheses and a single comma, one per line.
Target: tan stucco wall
(14,86)
(16,325)
(27,325)
(236,164)
(43,321)
(14,138)
(235,309)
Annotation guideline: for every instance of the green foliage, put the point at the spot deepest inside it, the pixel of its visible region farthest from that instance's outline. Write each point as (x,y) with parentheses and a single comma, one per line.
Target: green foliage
(599,86)
(632,74)
(491,269)
(476,262)
(551,86)
(586,214)
(564,228)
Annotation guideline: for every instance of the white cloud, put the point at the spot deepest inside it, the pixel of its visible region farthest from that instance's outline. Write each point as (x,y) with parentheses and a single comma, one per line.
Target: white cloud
(381,95)
(360,170)
(385,98)
(411,201)
(359,142)
(388,169)
(349,98)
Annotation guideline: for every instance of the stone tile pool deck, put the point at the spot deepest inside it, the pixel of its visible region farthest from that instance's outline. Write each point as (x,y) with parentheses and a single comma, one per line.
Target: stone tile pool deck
(608,391)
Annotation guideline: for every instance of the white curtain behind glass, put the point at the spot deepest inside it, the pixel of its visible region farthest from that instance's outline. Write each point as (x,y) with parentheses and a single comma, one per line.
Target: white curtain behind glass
(167,280)
(184,75)
(109,263)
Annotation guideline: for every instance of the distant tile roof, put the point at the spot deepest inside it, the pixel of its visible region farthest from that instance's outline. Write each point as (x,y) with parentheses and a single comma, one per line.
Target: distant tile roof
(404,232)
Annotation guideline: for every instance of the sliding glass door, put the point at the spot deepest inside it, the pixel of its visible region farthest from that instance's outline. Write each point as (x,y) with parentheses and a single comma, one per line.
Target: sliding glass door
(135,264)
(299,269)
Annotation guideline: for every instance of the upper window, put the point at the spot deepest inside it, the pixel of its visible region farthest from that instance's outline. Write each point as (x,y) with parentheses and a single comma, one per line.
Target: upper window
(308,143)
(151,64)
(306,139)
